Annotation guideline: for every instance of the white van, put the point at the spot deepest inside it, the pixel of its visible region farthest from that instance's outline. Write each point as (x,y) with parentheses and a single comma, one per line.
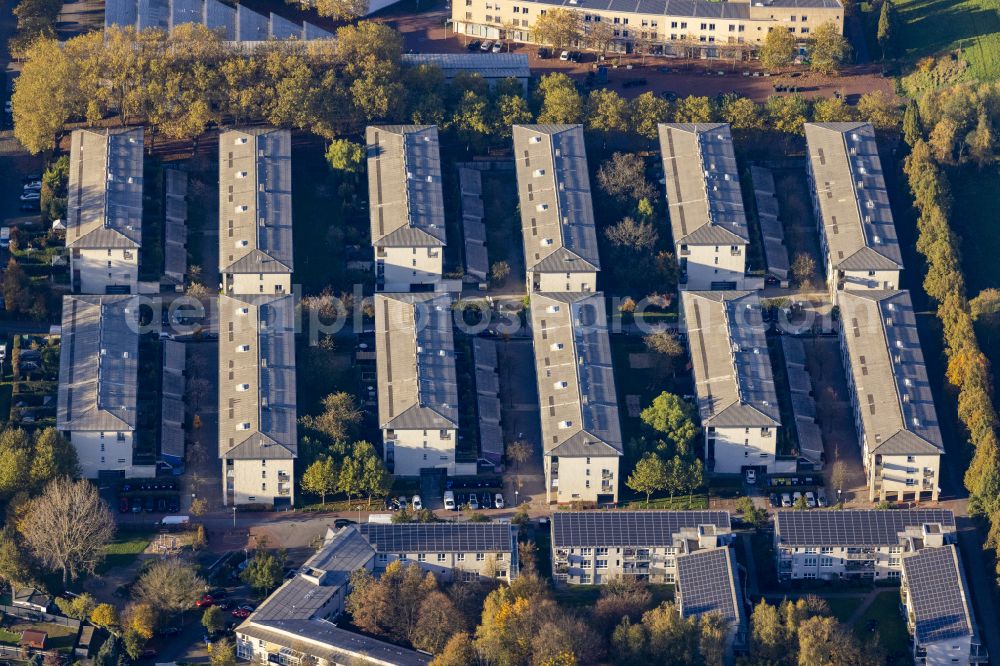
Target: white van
(449,500)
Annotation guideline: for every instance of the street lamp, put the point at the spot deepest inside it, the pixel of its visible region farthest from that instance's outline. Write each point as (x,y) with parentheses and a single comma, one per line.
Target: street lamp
(234,516)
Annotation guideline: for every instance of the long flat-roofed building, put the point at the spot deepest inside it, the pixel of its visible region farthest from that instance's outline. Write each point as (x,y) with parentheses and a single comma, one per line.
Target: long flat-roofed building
(707,219)
(258,441)
(98,375)
(255,211)
(857,232)
(593,547)
(687,28)
(104,210)
(939,610)
(417,384)
(734,383)
(557,214)
(894,414)
(708,582)
(581,433)
(407,205)
(867,544)
(492,67)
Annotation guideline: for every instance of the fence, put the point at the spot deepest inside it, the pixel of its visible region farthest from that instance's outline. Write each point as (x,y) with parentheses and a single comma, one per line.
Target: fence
(38,616)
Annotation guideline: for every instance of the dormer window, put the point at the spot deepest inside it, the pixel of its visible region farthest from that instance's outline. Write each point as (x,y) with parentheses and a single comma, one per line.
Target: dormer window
(565,424)
(552,309)
(561,385)
(241,174)
(243,348)
(539,173)
(242,209)
(240,141)
(557,346)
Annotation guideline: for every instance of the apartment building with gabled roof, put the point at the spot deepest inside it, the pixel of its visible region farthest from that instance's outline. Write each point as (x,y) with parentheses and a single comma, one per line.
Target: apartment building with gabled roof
(705,205)
(407,206)
(894,414)
(255,211)
(708,582)
(98,375)
(557,214)
(104,209)
(581,432)
(737,400)
(258,441)
(857,232)
(417,383)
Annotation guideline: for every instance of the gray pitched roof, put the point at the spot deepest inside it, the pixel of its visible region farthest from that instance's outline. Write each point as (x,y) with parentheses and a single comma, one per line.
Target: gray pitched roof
(557,215)
(866,527)
(576,379)
(104,198)
(415,352)
(703,184)
(573,529)
(707,582)
(257,413)
(404,186)
(98,365)
(441,537)
(327,642)
(853,202)
(939,596)
(487,65)
(255,201)
(688,8)
(732,367)
(895,401)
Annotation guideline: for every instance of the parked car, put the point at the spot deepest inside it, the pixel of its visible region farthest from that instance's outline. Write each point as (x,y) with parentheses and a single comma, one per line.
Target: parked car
(796,496)
(403,502)
(34,186)
(206,601)
(417,503)
(473,502)
(123,506)
(820,498)
(449,500)
(487,45)
(544,53)
(31,196)
(240,613)
(810,500)
(474,44)
(30,205)
(499,500)
(751,477)
(786,500)
(564,56)
(775,502)
(497,46)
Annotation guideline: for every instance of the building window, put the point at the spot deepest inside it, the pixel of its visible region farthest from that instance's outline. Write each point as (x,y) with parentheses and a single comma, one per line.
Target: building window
(440,557)
(602,564)
(460,557)
(382,557)
(480,557)
(421,557)
(586,551)
(826,561)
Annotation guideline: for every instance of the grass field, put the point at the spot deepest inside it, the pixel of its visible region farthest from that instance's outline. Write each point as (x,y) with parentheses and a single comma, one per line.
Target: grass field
(929,27)
(888,622)
(843,607)
(123,550)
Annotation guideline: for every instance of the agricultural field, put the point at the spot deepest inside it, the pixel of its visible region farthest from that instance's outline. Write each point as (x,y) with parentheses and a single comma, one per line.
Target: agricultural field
(930,27)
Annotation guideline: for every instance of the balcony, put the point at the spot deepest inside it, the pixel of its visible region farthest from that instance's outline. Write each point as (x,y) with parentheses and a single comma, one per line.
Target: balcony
(736,253)
(607,476)
(860,555)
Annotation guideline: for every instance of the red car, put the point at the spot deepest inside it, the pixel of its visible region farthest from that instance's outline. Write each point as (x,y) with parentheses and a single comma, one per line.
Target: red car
(123,505)
(205,601)
(241,613)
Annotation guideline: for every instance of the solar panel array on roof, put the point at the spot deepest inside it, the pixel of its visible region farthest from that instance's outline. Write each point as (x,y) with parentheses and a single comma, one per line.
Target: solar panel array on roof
(688,8)
(440,537)
(487,65)
(772,231)
(868,527)
(175,231)
(573,529)
(938,596)
(707,583)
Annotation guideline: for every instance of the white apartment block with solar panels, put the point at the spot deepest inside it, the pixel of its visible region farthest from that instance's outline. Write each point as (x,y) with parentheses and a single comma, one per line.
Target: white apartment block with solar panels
(708,581)
(734,383)
(417,383)
(104,210)
(867,544)
(296,624)
(255,211)
(407,206)
(851,204)
(557,214)
(938,609)
(98,377)
(705,205)
(894,413)
(593,547)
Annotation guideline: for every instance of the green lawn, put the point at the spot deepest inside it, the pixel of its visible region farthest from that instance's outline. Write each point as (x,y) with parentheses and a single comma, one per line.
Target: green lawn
(9,637)
(679,502)
(124,550)
(843,607)
(929,27)
(890,626)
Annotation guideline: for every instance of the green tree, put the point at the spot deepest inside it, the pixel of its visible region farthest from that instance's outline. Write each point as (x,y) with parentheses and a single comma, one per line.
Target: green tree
(472,117)
(751,514)
(912,131)
(879,109)
(786,113)
(712,639)
(17,292)
(606,111)
(265,570)
(742,113)
(673,417)
(510,110)
(52,457)
(778,49)
(832,110)
(561,102)
(223,653)
(53,192)
(886,28)
(458,651)
(693,477)
(320,478)
(829,49)
(15,569)
(648,111)
(650,475)
(43,96)
(213,620)
(557,28)
(437,621)
(339,417)
(767,634)
(102,615)
(344,155)
(693,109)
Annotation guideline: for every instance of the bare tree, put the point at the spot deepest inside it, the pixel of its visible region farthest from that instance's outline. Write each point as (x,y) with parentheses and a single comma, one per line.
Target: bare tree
(170,585)
(803,269)
(67,527)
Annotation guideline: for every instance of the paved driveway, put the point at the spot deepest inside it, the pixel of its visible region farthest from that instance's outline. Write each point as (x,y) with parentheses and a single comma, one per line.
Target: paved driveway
(520,416)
